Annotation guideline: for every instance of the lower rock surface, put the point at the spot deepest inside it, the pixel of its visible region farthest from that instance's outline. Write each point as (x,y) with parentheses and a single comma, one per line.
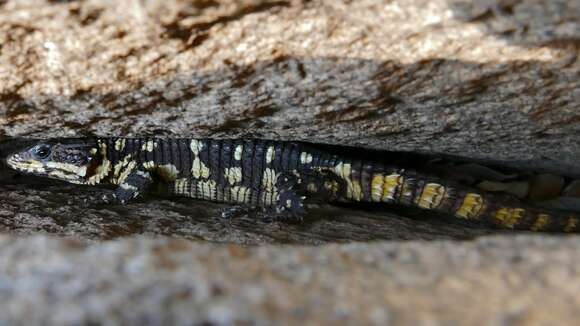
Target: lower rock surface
(517,280)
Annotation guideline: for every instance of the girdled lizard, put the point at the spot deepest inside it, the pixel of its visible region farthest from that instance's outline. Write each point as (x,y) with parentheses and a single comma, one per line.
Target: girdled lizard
(279,176)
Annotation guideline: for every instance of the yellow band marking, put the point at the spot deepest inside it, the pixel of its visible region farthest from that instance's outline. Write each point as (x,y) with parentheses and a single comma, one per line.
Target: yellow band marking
(270,192)
(148,146)
(198,169)
(102,171)
(181,185)
(509,216)
(391,185)
(471,207)
(123,176)
(196,146)
(207,189)
(270,155)
(149,165)
(306,158)
(356,190)
(238,152)
(120,165)
(120,144)
(240,194)
(377,187)
(431,196)
(353,187)
(571,225)
(233,175)
(541,222)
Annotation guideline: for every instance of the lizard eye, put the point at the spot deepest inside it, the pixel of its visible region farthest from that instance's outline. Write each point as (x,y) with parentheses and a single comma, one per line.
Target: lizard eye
(41,151)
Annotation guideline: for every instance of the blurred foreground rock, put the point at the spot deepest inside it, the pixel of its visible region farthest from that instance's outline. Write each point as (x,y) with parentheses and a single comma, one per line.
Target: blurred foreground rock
(517,280)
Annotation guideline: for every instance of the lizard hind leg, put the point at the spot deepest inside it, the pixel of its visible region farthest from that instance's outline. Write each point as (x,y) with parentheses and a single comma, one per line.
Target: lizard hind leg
(287,201)
(296,191)
(291,203)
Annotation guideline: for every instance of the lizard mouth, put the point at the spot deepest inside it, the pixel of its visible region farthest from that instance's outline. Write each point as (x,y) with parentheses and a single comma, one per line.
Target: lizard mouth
(22,164)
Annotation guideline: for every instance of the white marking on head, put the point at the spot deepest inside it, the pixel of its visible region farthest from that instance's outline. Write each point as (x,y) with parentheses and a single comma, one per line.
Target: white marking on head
(68,168)
(15,161)
(59,174)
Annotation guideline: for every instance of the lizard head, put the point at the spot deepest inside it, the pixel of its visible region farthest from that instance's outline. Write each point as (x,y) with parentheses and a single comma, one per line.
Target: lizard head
(70,159)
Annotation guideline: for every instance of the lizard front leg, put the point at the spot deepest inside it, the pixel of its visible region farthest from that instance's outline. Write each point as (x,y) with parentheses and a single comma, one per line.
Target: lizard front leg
(135,184)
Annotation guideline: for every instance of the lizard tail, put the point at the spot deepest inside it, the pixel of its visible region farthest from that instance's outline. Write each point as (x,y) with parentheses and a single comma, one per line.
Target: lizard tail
(432,193)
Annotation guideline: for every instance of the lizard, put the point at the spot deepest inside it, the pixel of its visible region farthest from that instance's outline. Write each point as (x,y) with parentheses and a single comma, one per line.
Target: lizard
(279,176)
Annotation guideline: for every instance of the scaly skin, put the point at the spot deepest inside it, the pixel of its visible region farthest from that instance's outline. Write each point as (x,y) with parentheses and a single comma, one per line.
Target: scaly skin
(276,175)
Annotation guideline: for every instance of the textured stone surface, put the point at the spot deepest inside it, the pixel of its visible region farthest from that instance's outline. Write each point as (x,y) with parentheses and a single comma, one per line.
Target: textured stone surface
(494,80)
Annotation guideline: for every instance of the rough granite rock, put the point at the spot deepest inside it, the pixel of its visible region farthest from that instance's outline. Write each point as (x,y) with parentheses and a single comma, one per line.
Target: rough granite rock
(492,81)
